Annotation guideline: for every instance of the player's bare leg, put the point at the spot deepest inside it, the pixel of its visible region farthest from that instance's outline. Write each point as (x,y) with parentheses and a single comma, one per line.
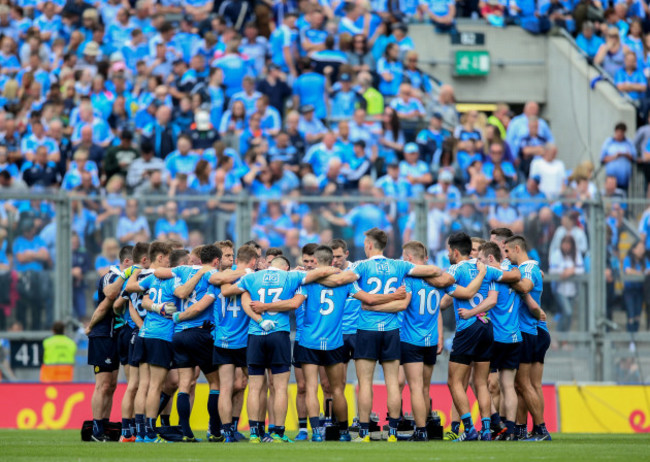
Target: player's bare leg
(169,390)
(325,383)
(458,375)
(140,403)
(394,405)
(256,389)
(110,392)
(280,400)
(365,374)
(481,373)
(157,376)
(339,401)
(415,377)
(495,391)
(227,382)
(310,375)
(536,374)
(529,394)
(507,380)
(241,382)
(99,399)
(192,391)
(427,373)
(128,400)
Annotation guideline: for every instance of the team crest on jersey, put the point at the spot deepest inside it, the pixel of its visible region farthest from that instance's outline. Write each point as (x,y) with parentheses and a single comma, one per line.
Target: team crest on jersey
(271,278)
(382,267)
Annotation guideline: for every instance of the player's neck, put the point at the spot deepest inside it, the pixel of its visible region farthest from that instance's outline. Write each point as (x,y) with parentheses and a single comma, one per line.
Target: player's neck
(524,257)
(463,258)
(155,265)
(375,253)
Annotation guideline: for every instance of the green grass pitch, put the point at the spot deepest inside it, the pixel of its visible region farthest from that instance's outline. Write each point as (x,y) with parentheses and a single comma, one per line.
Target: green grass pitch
(30,445)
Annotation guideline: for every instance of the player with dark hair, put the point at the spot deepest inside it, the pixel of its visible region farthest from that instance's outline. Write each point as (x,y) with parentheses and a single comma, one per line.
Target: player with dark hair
(102,344)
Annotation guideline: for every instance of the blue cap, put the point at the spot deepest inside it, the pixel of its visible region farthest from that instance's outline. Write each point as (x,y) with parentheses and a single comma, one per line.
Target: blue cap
(411,147)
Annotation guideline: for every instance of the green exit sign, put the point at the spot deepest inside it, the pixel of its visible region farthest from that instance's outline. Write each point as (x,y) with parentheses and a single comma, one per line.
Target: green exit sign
(471,63)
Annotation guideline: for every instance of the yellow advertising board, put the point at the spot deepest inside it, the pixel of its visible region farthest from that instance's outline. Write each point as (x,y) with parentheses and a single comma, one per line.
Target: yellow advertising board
(199,418)
(604,408)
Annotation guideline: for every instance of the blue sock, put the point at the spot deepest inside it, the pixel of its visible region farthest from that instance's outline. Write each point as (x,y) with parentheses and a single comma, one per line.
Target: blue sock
(314,422)
(271,429)
(105,422)
(485,424)
(495,419)
(183,408)
(213,411)
(510,426)
(254,427)
(98,427)
(279,430)
(343,426)
(521,430)
(164,401)
(132,426)
(392,426)
(261,428)
(302,424)
(467,421)
(364,429)
(151,427)
(226,428)
(126,428)
(455,427)
(235,423)
(164,420)
(139,425)
(503,420)
(542,428)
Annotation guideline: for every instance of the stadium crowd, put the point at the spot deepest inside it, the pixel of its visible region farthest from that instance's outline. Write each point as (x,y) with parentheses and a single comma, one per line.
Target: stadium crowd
(136,107)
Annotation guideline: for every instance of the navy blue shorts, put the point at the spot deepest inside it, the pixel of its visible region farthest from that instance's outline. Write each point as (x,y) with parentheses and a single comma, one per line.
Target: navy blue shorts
(473,344)
(378,346)
(350,344)
(155,352)
(193,347)
(321,357)
(135,349)
(102,353)
(528,347)
(123,342)
(505,356)
(541,346)
(272,351)
(297,349)
(418,354)
(222,356)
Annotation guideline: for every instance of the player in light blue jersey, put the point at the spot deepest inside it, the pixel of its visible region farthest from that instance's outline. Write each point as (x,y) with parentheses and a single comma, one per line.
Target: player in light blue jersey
(506,349)
(531,283)
(155,354)
(378,333)
(230,340)
(269,346)
(474,336)
(420,334)
(322,338)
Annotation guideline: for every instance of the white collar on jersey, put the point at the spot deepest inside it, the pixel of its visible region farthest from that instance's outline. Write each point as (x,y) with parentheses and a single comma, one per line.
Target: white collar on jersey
(530,261)
(377,257)
(273,268)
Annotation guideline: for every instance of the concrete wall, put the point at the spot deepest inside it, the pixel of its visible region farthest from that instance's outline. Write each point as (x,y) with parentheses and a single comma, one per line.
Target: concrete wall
(521,77)
(546,69)
(581,118)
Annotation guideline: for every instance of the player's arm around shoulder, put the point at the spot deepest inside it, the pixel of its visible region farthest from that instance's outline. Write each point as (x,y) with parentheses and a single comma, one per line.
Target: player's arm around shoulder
(533,307)
(465,293)
(512,276)
(487,304)
(281,305)
(229,276)
(394,306)
(337,279)
(323,274)
(196,309)
(425,271)
(525,284)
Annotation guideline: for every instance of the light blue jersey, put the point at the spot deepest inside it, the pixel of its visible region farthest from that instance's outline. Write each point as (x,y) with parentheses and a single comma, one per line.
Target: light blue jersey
(464,273)
(300,317)
(268,286)
(231,331)
(182,274)
(155,325)
(530,270)
(324,307)
(351,312)
(380,275)
(505,314)
(145,281)
(420,326)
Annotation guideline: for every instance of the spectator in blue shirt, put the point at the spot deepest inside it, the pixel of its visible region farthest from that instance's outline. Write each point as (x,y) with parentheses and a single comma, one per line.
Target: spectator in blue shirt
(171,226)
(617,154)
(390,70)
(441,13)
(309,89)
(345,100)
(503,214)
(234,68)
(310,126)
(414,170)
(183,159)
(109,256)
(132,227)
(528,193)
(282,43)
(630,80)
(320,154)
(496,153)
(588,41)
(29,251)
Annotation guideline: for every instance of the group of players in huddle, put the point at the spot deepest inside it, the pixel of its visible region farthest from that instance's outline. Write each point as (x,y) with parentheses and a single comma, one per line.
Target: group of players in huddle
(165,314)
